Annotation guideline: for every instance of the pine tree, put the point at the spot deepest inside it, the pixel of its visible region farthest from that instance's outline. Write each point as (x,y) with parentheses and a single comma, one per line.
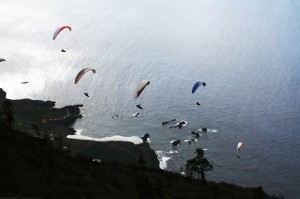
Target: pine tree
(198,166)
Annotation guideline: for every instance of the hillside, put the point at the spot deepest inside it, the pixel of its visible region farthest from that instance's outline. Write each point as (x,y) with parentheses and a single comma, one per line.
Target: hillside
(31,167)
(36,164)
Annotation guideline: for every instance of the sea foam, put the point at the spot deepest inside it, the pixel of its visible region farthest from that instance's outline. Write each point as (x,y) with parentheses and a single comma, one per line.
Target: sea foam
(162,159)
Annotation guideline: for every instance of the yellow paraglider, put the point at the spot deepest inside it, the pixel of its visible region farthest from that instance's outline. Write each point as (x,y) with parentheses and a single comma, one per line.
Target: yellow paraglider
(82,72)
(141,87)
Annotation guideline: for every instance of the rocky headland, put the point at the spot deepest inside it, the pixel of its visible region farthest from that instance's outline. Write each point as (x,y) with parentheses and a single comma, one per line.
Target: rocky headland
(40,118)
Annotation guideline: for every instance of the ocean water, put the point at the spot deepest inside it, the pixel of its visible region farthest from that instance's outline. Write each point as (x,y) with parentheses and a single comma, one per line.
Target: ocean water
(248,53)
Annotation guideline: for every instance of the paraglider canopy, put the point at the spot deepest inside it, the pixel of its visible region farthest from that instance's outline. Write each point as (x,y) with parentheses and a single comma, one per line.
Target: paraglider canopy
(141,87)
(59,30)
(197,84)
(82,72)
(239,146)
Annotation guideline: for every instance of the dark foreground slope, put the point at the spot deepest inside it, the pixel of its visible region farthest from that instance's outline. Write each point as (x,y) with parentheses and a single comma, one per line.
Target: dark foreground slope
(32,167)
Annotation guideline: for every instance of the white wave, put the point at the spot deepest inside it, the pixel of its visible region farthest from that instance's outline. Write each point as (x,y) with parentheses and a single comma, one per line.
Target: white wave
(132,139)
(185,123)
(163,163)
(78,131)
(212,130)
(172,152)
(162,159)
(194,140)
(209,130)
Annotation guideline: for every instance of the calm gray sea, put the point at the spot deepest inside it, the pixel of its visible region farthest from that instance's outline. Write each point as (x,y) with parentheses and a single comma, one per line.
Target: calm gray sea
(248,53)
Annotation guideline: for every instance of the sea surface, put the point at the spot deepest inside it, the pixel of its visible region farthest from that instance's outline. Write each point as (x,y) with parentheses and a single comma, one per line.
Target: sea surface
(247,52)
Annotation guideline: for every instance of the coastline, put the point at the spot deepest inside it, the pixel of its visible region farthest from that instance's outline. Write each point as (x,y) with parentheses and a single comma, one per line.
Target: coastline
(58,164)
(56,122)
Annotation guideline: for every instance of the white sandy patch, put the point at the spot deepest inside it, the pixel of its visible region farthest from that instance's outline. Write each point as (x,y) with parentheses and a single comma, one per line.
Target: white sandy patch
(132,139)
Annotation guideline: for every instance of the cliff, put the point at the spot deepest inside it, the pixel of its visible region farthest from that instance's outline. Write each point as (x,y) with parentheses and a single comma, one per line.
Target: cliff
(55,122)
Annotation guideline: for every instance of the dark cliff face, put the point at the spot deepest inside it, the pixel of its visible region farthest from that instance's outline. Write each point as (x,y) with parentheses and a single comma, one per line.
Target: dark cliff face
(43,115)
(56,121)
(28,103)
(2,94)
(115,151)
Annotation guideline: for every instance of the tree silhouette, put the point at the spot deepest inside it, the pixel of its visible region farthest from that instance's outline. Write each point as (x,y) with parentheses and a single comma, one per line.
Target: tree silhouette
(7,114)
(198,166)
(190,168)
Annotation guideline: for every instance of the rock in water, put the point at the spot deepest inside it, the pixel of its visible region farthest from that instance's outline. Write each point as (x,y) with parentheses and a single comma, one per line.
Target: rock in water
(175,143)
(145,137)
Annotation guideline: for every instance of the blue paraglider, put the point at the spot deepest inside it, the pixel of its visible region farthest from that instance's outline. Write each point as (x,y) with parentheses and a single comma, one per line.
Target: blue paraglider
(197,85)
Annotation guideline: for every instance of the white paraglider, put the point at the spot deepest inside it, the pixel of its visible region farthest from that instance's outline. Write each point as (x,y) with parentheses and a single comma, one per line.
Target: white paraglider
(238,148)
(82,72)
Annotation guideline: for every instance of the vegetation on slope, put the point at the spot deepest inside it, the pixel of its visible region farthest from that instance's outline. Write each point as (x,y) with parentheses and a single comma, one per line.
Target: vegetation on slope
(33,167)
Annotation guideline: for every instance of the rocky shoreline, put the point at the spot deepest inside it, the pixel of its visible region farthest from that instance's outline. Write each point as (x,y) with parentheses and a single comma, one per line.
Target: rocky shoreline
(56,122)
(113,169)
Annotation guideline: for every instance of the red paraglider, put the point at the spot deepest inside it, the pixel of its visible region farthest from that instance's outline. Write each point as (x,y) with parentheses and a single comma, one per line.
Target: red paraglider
(59,30)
